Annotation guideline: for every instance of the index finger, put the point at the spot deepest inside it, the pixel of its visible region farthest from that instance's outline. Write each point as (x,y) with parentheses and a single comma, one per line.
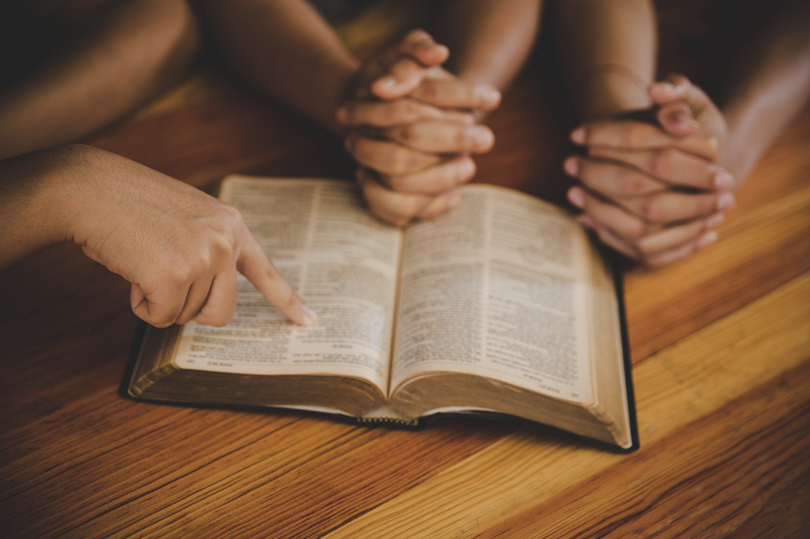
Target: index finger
(397,112)
(407,64)
(634,135)
(421,46)
(254,264)
(402,78)
(455,93)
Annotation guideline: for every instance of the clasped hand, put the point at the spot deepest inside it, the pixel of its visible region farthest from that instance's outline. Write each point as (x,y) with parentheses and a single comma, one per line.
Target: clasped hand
(653,190)
(412,127)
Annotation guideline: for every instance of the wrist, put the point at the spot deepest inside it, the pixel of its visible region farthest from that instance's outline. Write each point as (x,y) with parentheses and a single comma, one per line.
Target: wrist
(37,202)
(742,145)
(607,89)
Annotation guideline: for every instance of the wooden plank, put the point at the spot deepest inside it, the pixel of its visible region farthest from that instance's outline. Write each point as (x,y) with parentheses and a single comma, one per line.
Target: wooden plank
(285,470)
(73,445)
(231,132)
(759,250)
(708,479)
(673,388)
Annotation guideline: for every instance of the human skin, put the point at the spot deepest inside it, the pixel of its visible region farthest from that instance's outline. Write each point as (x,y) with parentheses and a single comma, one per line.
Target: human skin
(609,63)
(178,247)
(316,75)
(115,56)
(635,174)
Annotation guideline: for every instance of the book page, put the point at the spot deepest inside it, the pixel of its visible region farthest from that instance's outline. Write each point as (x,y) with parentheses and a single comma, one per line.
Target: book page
(339,258)
(497,288)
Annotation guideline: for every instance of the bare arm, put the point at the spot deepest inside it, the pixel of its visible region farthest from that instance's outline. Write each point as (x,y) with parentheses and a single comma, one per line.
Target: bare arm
(178,247)
(490,41)
(608,54)
(286,50)
(115,59)
(769,86)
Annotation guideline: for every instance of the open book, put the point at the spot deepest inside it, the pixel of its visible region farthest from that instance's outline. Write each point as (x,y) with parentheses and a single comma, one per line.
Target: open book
(502,305)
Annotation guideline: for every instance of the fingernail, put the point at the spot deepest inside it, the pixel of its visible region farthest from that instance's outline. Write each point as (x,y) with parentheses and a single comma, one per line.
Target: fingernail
(725,202)
(578,135)
(577,197)
(668,86)
(714,220)
(388,82)
(571,166)
(465,170)
(706,240)
(662,86)
(310,316)
(723,181)
(488,95)
(483,138)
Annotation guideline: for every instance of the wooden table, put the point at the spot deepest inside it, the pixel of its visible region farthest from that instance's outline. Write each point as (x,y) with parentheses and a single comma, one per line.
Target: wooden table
(720,346)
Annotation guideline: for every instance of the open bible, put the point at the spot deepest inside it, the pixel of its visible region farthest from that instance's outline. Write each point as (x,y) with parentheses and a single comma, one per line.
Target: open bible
(502,305)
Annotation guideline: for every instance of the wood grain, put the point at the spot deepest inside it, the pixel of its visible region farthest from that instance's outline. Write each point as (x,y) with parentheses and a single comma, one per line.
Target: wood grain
(720,343)
(673,389)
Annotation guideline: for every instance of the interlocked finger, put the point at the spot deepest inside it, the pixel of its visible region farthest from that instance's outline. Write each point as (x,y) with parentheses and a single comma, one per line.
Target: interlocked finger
(455,93)
(386,157)
(612,180)
(635,135)
(401,111)
(626,225)
(400,208)
(435,179)
(443,137)
(670,165)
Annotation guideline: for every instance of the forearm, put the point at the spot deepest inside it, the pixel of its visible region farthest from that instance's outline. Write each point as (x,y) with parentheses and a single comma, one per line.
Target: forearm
(608,53)
(769,86)
(489,41)
(37,192)
(286,50)
(127,54)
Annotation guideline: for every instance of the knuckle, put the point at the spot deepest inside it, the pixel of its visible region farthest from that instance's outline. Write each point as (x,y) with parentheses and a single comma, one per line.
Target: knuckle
(645,249)
(636,230)
(179,275)
(397,183)
(406,133)
(650,209)
(630,184)
(632,136)
(465,137)
(449,175)
(431,91)
(660,164)
(233,217)
(163,322)
(397,160)
(400,111)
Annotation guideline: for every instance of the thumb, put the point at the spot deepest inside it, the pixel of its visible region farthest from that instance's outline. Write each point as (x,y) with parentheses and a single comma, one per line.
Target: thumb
(677,119)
